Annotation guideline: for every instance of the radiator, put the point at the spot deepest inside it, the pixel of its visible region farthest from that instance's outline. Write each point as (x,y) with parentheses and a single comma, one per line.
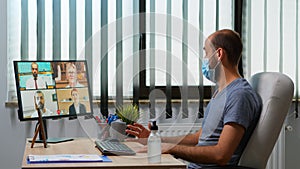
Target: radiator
(276,159)
(178,129)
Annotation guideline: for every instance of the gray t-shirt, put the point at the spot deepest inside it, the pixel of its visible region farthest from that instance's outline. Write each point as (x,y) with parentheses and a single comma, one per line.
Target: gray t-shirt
(237,103)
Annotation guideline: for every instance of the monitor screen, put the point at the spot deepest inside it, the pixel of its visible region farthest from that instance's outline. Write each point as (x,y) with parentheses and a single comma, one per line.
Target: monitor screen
(57,88)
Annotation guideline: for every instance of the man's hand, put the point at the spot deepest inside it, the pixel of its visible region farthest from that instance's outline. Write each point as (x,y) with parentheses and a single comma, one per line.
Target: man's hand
(138,130)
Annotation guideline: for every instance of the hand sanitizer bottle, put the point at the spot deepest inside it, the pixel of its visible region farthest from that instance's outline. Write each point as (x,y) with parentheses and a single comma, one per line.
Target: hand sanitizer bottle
(154,145)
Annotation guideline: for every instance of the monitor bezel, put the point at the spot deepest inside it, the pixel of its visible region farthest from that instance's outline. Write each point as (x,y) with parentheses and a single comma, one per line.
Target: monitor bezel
(20,106)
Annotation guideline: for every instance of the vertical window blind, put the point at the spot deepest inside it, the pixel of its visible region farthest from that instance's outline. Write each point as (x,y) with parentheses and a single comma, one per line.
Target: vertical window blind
(271,38)
(78,29)
(175,34)
(109,34)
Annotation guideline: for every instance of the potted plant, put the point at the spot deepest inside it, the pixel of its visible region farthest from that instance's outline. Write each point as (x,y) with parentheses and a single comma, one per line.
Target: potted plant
(128,113)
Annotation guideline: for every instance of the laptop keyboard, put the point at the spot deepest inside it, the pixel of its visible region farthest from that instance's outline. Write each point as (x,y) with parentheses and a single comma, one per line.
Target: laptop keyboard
(108,147)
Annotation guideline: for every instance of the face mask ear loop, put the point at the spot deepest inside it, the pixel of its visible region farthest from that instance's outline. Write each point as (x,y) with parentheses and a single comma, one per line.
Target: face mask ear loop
(219,60)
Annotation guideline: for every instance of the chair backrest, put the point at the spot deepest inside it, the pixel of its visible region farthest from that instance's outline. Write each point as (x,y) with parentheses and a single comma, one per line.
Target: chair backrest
(276,91)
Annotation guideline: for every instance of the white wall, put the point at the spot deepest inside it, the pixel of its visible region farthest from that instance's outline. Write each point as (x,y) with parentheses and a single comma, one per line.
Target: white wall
(7,148)
(12,132)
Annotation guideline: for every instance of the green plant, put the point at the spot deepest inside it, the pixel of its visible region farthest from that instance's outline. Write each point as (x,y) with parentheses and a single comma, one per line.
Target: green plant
(128,113)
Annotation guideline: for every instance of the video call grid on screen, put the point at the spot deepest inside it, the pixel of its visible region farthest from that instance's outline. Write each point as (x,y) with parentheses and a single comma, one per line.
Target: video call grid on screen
(59,82)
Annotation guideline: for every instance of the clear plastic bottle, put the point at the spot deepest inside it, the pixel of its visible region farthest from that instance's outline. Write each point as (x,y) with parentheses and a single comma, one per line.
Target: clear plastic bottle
(154,145)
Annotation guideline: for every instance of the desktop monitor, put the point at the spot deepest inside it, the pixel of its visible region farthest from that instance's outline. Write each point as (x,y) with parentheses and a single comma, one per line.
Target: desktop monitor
(59,88)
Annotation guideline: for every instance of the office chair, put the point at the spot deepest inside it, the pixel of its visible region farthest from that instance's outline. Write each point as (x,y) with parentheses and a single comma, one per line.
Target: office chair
(276,91)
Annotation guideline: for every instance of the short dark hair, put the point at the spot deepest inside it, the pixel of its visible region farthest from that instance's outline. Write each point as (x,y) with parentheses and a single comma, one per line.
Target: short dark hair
(231,42)
(74,90)
(38,91)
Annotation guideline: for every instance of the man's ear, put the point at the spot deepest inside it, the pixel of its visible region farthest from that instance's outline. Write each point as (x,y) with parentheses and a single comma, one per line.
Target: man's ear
(221,54)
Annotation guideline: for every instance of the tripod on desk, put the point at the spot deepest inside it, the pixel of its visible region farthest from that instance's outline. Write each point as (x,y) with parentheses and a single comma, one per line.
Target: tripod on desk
(40,129)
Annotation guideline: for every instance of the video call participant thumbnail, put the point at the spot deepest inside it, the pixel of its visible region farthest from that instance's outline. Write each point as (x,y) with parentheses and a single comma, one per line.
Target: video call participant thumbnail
(76,107)
(39,102)
(35,82)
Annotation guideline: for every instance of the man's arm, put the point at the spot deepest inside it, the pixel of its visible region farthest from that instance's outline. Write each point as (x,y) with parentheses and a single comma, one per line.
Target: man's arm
(190,139)
(218,154)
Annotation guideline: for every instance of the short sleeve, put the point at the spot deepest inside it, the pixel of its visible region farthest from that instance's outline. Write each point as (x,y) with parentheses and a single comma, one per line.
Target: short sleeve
(239,108)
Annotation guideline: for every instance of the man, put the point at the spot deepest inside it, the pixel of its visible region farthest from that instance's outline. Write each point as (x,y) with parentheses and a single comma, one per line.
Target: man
(34,82)
(71,75)
(39,102)
(229,118)
(76,107)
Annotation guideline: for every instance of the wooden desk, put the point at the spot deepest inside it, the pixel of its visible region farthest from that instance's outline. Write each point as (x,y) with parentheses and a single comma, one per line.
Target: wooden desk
(87,146)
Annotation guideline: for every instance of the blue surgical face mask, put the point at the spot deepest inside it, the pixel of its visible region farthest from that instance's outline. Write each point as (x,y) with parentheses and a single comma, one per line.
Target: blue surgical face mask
(207,71)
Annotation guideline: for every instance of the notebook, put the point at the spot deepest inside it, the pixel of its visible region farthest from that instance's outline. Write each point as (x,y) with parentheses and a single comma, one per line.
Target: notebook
(67,158)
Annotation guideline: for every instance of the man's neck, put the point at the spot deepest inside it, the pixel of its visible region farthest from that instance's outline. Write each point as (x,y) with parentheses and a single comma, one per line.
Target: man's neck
(228,76)
(72,84)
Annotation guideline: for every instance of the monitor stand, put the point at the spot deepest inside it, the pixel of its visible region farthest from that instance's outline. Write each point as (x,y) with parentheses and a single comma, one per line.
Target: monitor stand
(50,140)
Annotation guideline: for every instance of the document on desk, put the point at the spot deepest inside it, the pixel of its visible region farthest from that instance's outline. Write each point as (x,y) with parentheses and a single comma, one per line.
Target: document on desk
(67,158)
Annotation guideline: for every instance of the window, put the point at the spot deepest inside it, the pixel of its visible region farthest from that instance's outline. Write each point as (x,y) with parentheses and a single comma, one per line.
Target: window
(122,42)
(54,29)
(178,28)
(271,37)
(171,62)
